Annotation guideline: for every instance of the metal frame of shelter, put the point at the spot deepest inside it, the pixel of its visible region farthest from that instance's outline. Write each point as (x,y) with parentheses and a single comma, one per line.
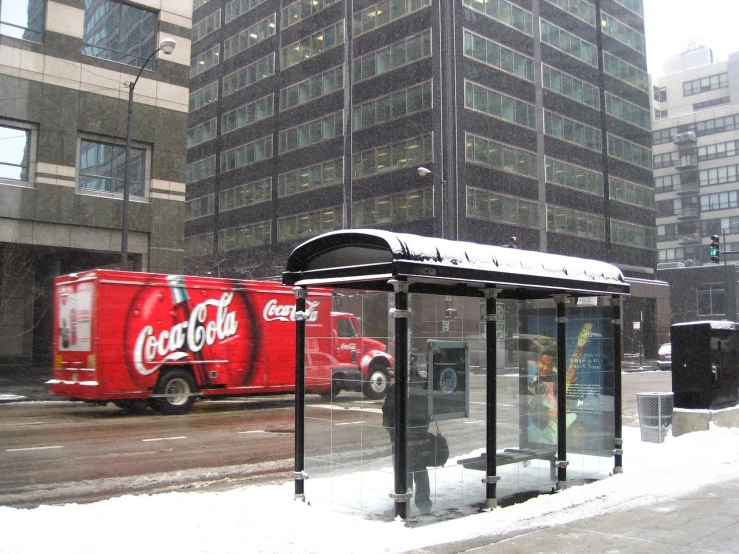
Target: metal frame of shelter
(402,263)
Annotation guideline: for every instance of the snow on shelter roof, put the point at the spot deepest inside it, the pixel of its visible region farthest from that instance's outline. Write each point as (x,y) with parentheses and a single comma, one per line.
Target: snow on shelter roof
(368,258)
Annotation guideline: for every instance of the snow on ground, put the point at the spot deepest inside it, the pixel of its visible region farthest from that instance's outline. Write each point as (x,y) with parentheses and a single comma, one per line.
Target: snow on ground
(267,519)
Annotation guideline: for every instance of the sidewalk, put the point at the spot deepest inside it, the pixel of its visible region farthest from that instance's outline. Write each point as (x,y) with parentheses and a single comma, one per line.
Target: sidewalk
(24,384)
(705,520)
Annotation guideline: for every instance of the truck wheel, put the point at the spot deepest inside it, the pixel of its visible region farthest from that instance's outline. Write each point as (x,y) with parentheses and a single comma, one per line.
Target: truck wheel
(136,407)
(178,386)
(376,385)
(332,392)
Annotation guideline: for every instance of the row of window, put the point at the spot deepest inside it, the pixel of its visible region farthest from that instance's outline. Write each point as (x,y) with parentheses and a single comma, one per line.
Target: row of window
(707,227)
(302,9)
(312,132)
(312,88)
(239,7)
(254,234)
(247,114)
(624,71)
(631,193)
(490,153)
(573,176)
(199,207)
(571,87)
(310,178)
(202,133)
(312,45)
(392,106)
(255,34)
(581,9)
(252,73)
(206,60)
(627,111)
(379,14)
(633,235)
(572,222)
(406,206)
(391,57)
(245,195)
(498,56)
(569,43)
(719,175)
(491,206)
(630,152)
(246,154)
(711,103)
(499,105)
(696,86)
(204,96)
(209,24)
(623,33)
(405,153)
(700,128)
(505,12)
(573,131)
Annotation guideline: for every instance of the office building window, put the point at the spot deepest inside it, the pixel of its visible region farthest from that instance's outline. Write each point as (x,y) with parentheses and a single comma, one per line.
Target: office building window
(635,6)
(573,176)
(710,103)
(498,56)
(571,87)
(312,45)
(309,224)
(199,244)
(624,71)
(696,86)
(312,132)
(393,106)
(249,37)
(102,165)
(297,11)
(199,207)
(23,19)
(252,73)
(718,175)
(631,234)
(310,89)
(571,222)
(245,195)
(204,96)
(310,178)
(247,114)
(623,33)
(631,193)
(667,183)
(629,152)
(667,159)
(719,201)
(389,157)
(119,32)
(201,169)
(206,26)
(491,206)
(626,111)
(496,104)
(505,12)
(659,94)
(16,154)
(716,151)
(201,133)
(381,13)
(254,234)
(247,154)
(205,61)
(407,206)
(495,155)
(393,56)
(582,10)
(573,131)
(660,114)
(711,300)
(569,43)
(239,7)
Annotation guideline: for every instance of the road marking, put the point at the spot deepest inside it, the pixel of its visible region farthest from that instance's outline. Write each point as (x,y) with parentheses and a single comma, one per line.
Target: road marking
(19,424)
(347,409)
(248,432)
(163,439)
(351,423)
(32,448)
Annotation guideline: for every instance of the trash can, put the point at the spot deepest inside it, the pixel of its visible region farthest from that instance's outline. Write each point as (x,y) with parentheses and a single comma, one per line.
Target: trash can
(655,415)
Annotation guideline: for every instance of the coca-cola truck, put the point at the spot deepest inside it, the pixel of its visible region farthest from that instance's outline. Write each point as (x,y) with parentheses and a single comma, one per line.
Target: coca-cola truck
(150,340)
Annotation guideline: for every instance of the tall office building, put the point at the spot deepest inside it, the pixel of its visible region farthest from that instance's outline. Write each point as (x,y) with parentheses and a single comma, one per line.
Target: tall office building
(469,120)
(63,114)
(696,144)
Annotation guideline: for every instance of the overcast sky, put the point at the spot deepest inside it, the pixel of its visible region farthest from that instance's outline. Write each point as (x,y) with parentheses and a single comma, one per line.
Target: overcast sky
(672,24)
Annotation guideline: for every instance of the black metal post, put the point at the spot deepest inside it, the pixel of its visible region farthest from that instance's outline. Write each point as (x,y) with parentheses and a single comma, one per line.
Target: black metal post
(491,478)
(400,468)
(126,170)
(561,389)
(300,476)
(616,302)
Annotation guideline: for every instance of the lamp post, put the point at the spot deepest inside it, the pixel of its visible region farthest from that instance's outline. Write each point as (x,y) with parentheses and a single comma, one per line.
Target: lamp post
(422,172)
(167,46)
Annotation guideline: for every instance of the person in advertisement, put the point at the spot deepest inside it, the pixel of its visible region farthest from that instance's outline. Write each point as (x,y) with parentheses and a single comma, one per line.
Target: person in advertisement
(419,448)
(542,388)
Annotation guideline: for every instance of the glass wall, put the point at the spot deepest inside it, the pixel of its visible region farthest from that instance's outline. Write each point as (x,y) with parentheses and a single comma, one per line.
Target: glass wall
(349,444)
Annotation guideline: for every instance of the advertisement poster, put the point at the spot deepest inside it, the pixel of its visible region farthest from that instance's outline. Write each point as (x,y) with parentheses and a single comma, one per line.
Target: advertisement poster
(74,310)
(589,378)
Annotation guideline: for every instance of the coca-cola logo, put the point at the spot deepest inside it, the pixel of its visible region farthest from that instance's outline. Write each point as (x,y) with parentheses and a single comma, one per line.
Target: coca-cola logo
(286,312)
(152,350)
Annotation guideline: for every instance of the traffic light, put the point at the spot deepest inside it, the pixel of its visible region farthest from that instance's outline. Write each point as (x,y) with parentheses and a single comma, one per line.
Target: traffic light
(450,313)
(715,252)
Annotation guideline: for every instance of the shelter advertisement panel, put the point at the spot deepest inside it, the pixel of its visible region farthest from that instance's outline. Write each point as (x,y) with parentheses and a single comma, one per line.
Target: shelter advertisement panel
(589,355)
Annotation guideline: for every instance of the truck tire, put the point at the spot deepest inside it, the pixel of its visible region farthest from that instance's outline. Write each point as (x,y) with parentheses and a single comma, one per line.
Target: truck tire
(179,387)
(377,383)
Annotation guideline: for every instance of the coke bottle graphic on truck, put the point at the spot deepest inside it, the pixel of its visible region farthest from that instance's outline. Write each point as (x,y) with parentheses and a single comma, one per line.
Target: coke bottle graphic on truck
(74,317)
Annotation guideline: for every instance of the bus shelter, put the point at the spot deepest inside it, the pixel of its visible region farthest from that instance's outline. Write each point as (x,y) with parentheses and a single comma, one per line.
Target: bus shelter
(507,376)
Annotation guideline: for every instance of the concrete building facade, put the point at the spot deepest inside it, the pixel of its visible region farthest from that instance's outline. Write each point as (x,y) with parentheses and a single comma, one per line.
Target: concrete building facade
(696,140)
(464,120)
(64,65)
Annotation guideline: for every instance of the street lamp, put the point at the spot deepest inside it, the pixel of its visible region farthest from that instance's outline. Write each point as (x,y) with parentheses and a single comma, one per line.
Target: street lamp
(167,46)
(422,172)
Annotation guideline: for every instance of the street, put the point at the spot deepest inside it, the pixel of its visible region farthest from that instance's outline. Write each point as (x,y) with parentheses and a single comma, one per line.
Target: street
(56,452)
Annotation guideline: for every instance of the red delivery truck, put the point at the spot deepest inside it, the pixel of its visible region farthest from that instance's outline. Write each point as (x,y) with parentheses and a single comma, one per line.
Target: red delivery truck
(161,341)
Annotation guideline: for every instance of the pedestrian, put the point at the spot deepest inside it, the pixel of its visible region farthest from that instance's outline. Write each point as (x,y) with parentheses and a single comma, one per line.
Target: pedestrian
(418,444)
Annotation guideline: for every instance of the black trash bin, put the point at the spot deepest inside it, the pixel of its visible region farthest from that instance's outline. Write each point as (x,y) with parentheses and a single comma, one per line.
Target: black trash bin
(704,364)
